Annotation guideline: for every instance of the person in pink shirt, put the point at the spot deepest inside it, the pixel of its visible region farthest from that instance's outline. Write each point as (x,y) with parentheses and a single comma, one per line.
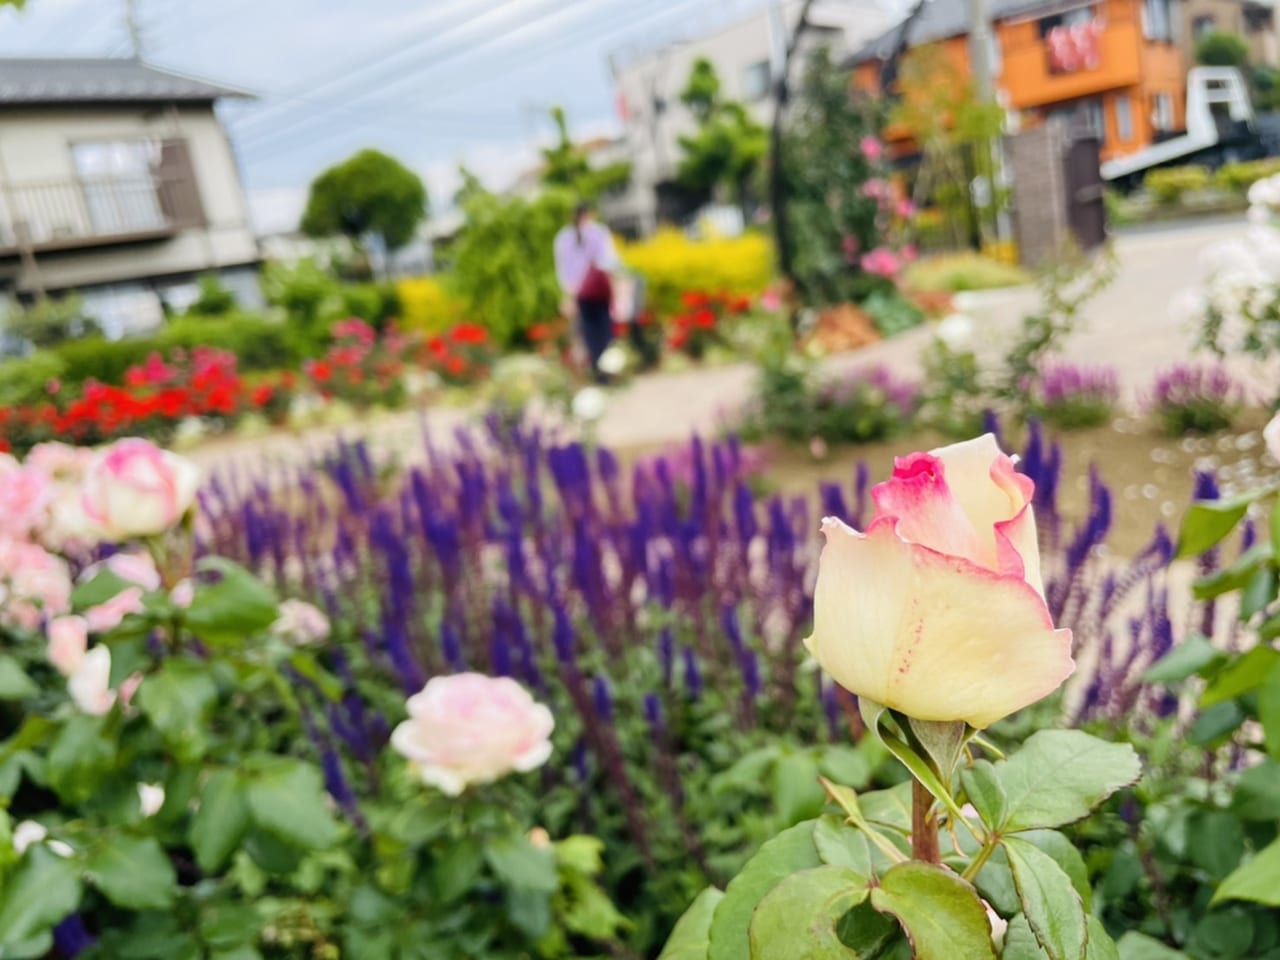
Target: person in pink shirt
(585,256)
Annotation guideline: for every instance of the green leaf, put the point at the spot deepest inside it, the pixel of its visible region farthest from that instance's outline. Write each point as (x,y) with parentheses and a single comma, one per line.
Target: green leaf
(1269,713)
(841,845)
(1215,842)
(235,608)
(14,682)
(287,799)
(1060,775)
(1216,722)
(43,890)
(133,872)
(1020,943)
(1209,521)
(1049,900)
(1245,673)
(227,925)
(796,790)
(580,853)
(178,700)
(1138,946)
(518,863)
(889,808)
(79,758)
(942,914)
(529,911)
(845,766)
(1067,856)
(789,852)
(875,716)
(691,938)
(1187,659)
(1101,946)
(797,919)
(1275,526)
(943,743)
(1257,793)
(1235,576)
(243,952)
(1258,880)
(455,872)
(220,822)
(982,786)
(1258,592)
(104,585)
(590,912)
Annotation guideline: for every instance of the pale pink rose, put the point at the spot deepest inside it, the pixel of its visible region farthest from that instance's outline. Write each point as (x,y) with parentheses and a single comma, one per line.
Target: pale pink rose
(90,685)
(882,262)
(60,461)
(68,641)
(135,489)
(938,610)
(182,594)
(872,148)
(37,584)
(128,687)
(25,495)
(67,527)
(469,728)
(1271,434)
(108,614)
(300,623)
(135,568)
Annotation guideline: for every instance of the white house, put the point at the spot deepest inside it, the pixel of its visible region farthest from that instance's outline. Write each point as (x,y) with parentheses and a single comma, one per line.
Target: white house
(746,52)
(118,181)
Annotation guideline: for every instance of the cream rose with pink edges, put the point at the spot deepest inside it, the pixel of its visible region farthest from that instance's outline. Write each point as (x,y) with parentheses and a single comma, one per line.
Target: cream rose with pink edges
(938,611)
(134,489)
(469,728)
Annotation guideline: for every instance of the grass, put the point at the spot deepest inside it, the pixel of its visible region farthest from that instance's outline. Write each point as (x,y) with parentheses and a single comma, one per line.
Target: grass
(958,272)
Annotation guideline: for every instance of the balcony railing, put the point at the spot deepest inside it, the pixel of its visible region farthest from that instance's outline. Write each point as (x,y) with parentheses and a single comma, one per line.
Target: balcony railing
(92,211)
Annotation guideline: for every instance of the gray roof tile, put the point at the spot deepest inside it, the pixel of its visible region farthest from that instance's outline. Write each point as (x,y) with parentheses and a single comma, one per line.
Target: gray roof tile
(100,80)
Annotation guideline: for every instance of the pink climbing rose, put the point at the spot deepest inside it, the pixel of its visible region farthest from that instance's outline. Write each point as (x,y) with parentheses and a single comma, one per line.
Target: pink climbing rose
(135,489)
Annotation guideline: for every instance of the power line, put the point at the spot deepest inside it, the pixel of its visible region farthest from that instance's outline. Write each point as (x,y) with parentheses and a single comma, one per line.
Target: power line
(386,56)
(525,59)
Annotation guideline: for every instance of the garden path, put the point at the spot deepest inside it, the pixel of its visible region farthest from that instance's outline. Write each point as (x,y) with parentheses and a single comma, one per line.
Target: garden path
(1127,326)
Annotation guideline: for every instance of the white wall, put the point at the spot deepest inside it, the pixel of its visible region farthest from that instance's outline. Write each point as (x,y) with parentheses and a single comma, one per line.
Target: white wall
(35,147)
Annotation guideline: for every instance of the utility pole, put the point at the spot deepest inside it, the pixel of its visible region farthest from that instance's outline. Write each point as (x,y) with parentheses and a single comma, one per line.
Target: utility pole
(135,31)
(981,42)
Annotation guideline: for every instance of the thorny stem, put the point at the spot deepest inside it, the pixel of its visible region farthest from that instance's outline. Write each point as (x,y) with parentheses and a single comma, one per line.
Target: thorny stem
(924,825)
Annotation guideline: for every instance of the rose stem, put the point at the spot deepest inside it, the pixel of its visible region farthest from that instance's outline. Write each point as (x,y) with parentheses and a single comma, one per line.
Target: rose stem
(924,825)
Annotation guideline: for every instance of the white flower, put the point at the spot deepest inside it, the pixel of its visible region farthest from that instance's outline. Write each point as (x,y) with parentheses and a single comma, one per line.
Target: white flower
(956,331)
(90,685)
(613,361)
(588,404)
(150,798)
(1271,434)
(300,623)
(25,834)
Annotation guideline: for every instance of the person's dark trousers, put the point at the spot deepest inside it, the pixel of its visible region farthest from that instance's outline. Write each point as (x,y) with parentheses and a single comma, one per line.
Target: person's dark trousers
(597,331)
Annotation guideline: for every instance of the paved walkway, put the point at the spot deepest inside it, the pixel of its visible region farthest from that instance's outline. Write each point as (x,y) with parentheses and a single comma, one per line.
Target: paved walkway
(1127,326)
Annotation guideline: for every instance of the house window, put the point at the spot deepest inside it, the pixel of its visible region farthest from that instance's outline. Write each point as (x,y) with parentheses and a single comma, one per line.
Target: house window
(1093,119)
(755,81)
(1202,25)
(1162,112)
(1157,20)
(122,193)
(1124,119)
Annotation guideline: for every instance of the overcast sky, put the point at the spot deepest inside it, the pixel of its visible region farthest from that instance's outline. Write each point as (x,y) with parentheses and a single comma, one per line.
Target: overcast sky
(433,82)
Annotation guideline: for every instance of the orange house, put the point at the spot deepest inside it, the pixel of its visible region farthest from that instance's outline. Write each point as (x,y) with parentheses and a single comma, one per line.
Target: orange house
(1114,64)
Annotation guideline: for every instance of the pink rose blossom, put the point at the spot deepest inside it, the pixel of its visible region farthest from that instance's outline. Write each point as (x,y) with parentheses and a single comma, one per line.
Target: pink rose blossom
(469,728)
(128,687)
(182,594)
(881,262)
(90,685)
(60,461)
(34,583)
(25,494)
(771,300)
(938,610)
(872,149)
(68,641)
(135,489)
(107,615)
(135,568)
(300,623)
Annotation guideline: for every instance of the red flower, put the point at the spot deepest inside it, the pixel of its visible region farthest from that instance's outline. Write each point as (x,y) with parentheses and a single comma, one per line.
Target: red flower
(437,347)
(704,319)
(469,333)
(539,332)
(694,299)
(319,370)
(262,395)
(455,366)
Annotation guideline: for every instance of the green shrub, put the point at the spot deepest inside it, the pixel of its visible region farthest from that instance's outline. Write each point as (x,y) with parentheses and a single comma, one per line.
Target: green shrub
(1170,184)
(96,358)
(1219,49)
(892,313)
(24,380)
(258,343)
(374,303)
(213,300)
(50,321)
(958,272)
(306,292)
(1239,177)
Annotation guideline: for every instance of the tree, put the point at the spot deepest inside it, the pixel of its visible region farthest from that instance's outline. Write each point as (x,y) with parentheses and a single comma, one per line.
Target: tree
(823,173)
(369,193)
(728,147)
(1217,49)
(502,262)
(566,166)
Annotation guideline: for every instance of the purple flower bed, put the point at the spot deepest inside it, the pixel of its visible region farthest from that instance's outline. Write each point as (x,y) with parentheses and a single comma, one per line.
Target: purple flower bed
(658,610)
(1068,395)
(1195,398)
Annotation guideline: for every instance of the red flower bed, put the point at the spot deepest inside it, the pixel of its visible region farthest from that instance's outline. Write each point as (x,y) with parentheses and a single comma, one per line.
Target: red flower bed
(698,326)
(463,355)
